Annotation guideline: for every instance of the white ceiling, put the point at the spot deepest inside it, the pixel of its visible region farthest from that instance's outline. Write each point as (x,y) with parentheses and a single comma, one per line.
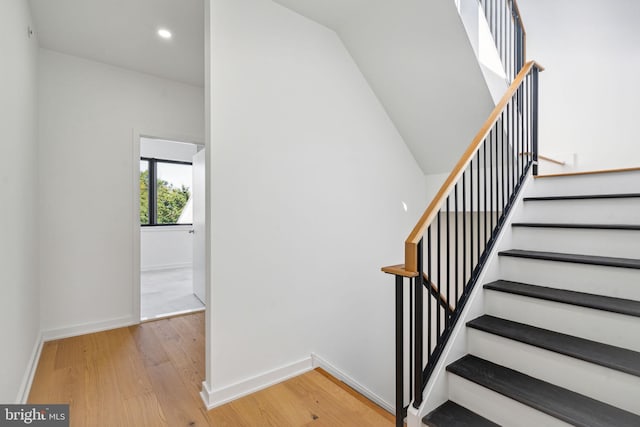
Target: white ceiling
(124,33)
(330,13)
(409,80)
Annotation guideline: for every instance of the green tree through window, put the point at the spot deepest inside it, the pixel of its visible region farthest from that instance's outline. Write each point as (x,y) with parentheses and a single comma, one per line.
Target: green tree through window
(144,197)
(170,200)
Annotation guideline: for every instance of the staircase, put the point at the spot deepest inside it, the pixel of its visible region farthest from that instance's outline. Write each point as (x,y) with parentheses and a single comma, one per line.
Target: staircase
(559,341)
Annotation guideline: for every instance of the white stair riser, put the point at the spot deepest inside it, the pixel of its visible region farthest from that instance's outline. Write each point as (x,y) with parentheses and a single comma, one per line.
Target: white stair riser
(621,182)
(613,387)
(587,211)
(613,243)
(496,407)
(596,325)
(591,279)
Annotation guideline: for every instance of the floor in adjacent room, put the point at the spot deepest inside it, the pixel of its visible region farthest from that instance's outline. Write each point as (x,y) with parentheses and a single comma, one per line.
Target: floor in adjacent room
(151,375)
(167,292)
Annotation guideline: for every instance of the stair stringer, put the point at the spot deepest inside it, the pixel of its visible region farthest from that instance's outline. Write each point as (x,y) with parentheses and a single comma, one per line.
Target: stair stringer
(437,390)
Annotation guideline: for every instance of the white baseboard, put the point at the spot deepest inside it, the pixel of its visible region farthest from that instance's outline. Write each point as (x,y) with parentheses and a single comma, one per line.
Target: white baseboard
(148,268)
(217,397)
(89,328)
(27,380)
(319,362)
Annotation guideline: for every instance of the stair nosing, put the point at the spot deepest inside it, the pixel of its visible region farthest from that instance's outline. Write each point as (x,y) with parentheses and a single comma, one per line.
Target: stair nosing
(540,395)
(582,197)
(563,296)
(451,405)
(626,227)
(570,343)
(573,258)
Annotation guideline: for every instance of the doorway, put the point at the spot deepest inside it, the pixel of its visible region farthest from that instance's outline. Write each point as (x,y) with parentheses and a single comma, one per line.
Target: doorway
(171,215)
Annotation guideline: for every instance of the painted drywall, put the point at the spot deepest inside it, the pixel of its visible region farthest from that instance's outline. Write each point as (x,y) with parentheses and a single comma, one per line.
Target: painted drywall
(167,150)
(418,59)
(588,93)
(19,298)
(308,176)
(166,247)
(89,113)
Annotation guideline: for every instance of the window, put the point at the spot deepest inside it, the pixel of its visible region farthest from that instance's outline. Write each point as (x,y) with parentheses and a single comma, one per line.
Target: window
(168,202)
(144,192)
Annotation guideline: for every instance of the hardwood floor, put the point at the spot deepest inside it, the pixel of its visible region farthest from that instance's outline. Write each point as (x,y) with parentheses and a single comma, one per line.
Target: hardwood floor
(151,375)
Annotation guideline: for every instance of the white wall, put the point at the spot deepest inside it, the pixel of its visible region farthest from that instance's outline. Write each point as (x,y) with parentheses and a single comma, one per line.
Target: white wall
(417,57)
(588,93)
(19,299)
(308,176)
(167,150)
(166,247)
(88,113)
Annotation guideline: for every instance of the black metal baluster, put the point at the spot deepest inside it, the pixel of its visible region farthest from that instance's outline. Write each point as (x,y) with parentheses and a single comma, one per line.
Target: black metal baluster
(529,119)
(489,211)
(471,218)
(429,283)
(464,227)
(522,141)
(455,195)
(508,147)
(509,38)
(399,352)
(497,180)
(484,145)
(418,327)
(484,149)
(534,120)
(518,121)
(438,276)
(514,158)
(448,272)
(503,165)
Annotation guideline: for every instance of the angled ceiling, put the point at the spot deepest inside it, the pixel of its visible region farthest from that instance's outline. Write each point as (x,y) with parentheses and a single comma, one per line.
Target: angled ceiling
(124,33)
(330,13)
(418,59)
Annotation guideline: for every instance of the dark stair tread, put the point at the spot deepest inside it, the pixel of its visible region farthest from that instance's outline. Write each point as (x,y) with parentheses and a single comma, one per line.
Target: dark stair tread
(580,226)
(450,414)
(598,302)
(566,405)
(583,197)
(609,356)
(574,258)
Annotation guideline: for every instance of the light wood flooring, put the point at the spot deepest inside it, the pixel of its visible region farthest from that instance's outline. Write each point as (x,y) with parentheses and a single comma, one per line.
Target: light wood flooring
(151,375)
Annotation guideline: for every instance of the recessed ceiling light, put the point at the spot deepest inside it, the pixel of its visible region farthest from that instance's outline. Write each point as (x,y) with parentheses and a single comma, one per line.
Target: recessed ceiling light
(164,33)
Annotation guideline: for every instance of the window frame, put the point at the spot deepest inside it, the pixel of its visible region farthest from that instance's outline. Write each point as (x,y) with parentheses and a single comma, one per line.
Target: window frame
(153,202)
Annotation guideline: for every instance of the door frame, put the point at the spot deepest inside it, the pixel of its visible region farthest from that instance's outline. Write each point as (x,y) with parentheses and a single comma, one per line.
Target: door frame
(135,189)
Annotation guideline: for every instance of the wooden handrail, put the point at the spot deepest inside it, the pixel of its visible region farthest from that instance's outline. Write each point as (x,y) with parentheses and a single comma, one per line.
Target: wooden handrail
(399,270)
(411,244)
(591,172)
(434,289)
(548,159)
